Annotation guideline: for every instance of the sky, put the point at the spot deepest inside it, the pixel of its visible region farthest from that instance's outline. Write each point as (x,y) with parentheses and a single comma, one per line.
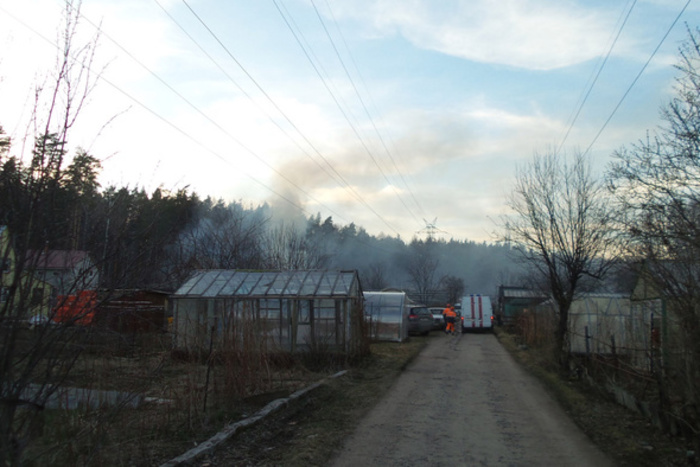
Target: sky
(396,115)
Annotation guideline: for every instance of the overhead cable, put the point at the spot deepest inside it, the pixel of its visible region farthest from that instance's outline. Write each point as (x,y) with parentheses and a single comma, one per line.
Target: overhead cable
(634,81)
(369,94)
(156,114)
(597,74)
(369,116)
(243,91)
(216,38)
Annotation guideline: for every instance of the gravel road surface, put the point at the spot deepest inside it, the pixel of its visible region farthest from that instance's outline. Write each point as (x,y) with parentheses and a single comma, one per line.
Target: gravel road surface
(464,401)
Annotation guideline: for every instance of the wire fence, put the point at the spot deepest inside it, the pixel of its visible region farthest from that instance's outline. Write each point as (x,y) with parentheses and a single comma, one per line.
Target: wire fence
(637,352)
(626,344)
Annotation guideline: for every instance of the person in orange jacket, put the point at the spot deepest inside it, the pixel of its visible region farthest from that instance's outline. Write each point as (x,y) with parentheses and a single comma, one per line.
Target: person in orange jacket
(450,315)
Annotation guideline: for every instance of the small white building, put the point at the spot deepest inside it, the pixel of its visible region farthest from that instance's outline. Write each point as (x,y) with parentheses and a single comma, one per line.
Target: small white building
(386,314)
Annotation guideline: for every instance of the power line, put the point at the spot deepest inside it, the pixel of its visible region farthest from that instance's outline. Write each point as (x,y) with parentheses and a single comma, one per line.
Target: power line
(371,245)
(326,85)
(173,125)
(364,84)
(311,51)
(333,96)
(208,118)
(153,112)
(369,116)
(636,78)
(597,74)
(243,91)
(216,38)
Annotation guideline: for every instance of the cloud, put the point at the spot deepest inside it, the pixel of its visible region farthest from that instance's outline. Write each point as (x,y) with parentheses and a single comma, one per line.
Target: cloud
(530,34)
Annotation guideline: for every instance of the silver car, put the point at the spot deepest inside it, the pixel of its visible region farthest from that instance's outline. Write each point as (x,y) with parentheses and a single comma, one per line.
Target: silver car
(438,317)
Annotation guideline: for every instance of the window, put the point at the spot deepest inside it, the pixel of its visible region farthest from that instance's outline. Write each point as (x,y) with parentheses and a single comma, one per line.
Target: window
(304,312)
(421,312)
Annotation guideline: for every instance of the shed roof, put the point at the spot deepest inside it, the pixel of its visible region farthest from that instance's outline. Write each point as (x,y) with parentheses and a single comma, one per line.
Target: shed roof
(56,259)
(520,292)
(223,283)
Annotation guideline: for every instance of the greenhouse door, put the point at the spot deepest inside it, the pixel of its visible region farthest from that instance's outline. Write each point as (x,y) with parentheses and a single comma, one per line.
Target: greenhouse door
(304,334)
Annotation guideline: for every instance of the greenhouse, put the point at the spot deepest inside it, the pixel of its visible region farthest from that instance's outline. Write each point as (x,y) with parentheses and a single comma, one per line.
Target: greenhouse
(276,311)
(387,315)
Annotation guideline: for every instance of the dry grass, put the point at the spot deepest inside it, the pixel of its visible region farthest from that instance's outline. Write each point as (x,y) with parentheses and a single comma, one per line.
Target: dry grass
(627,437)
(311,431)
(191,400)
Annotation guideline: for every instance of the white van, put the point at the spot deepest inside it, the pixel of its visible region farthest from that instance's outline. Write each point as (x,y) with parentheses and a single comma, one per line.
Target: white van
(477,314)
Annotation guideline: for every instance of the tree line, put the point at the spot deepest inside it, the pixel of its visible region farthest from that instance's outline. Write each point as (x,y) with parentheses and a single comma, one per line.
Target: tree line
(155,240)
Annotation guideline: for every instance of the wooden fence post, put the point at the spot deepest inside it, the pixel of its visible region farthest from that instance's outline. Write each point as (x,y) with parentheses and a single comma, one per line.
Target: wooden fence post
(614,350)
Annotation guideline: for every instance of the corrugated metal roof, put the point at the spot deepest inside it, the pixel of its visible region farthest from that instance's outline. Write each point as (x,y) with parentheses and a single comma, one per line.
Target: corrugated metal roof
(223,283)
(517,292)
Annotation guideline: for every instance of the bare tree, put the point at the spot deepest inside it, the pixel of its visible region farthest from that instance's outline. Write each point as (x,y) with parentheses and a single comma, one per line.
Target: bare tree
(657,185)
(229,237)
(421,266)
(561,225)
(455,288)
(375,277)
(33,362)
(289,248)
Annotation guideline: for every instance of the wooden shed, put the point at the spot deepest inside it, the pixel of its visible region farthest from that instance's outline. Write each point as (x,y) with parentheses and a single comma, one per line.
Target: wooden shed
(133,311)
(513,301)
(285,311)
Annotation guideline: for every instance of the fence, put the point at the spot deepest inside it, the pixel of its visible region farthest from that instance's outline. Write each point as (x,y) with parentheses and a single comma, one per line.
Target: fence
(604,325)
(633,349)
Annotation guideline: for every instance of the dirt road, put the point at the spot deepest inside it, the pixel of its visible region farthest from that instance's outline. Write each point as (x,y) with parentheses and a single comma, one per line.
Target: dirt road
(464,401)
